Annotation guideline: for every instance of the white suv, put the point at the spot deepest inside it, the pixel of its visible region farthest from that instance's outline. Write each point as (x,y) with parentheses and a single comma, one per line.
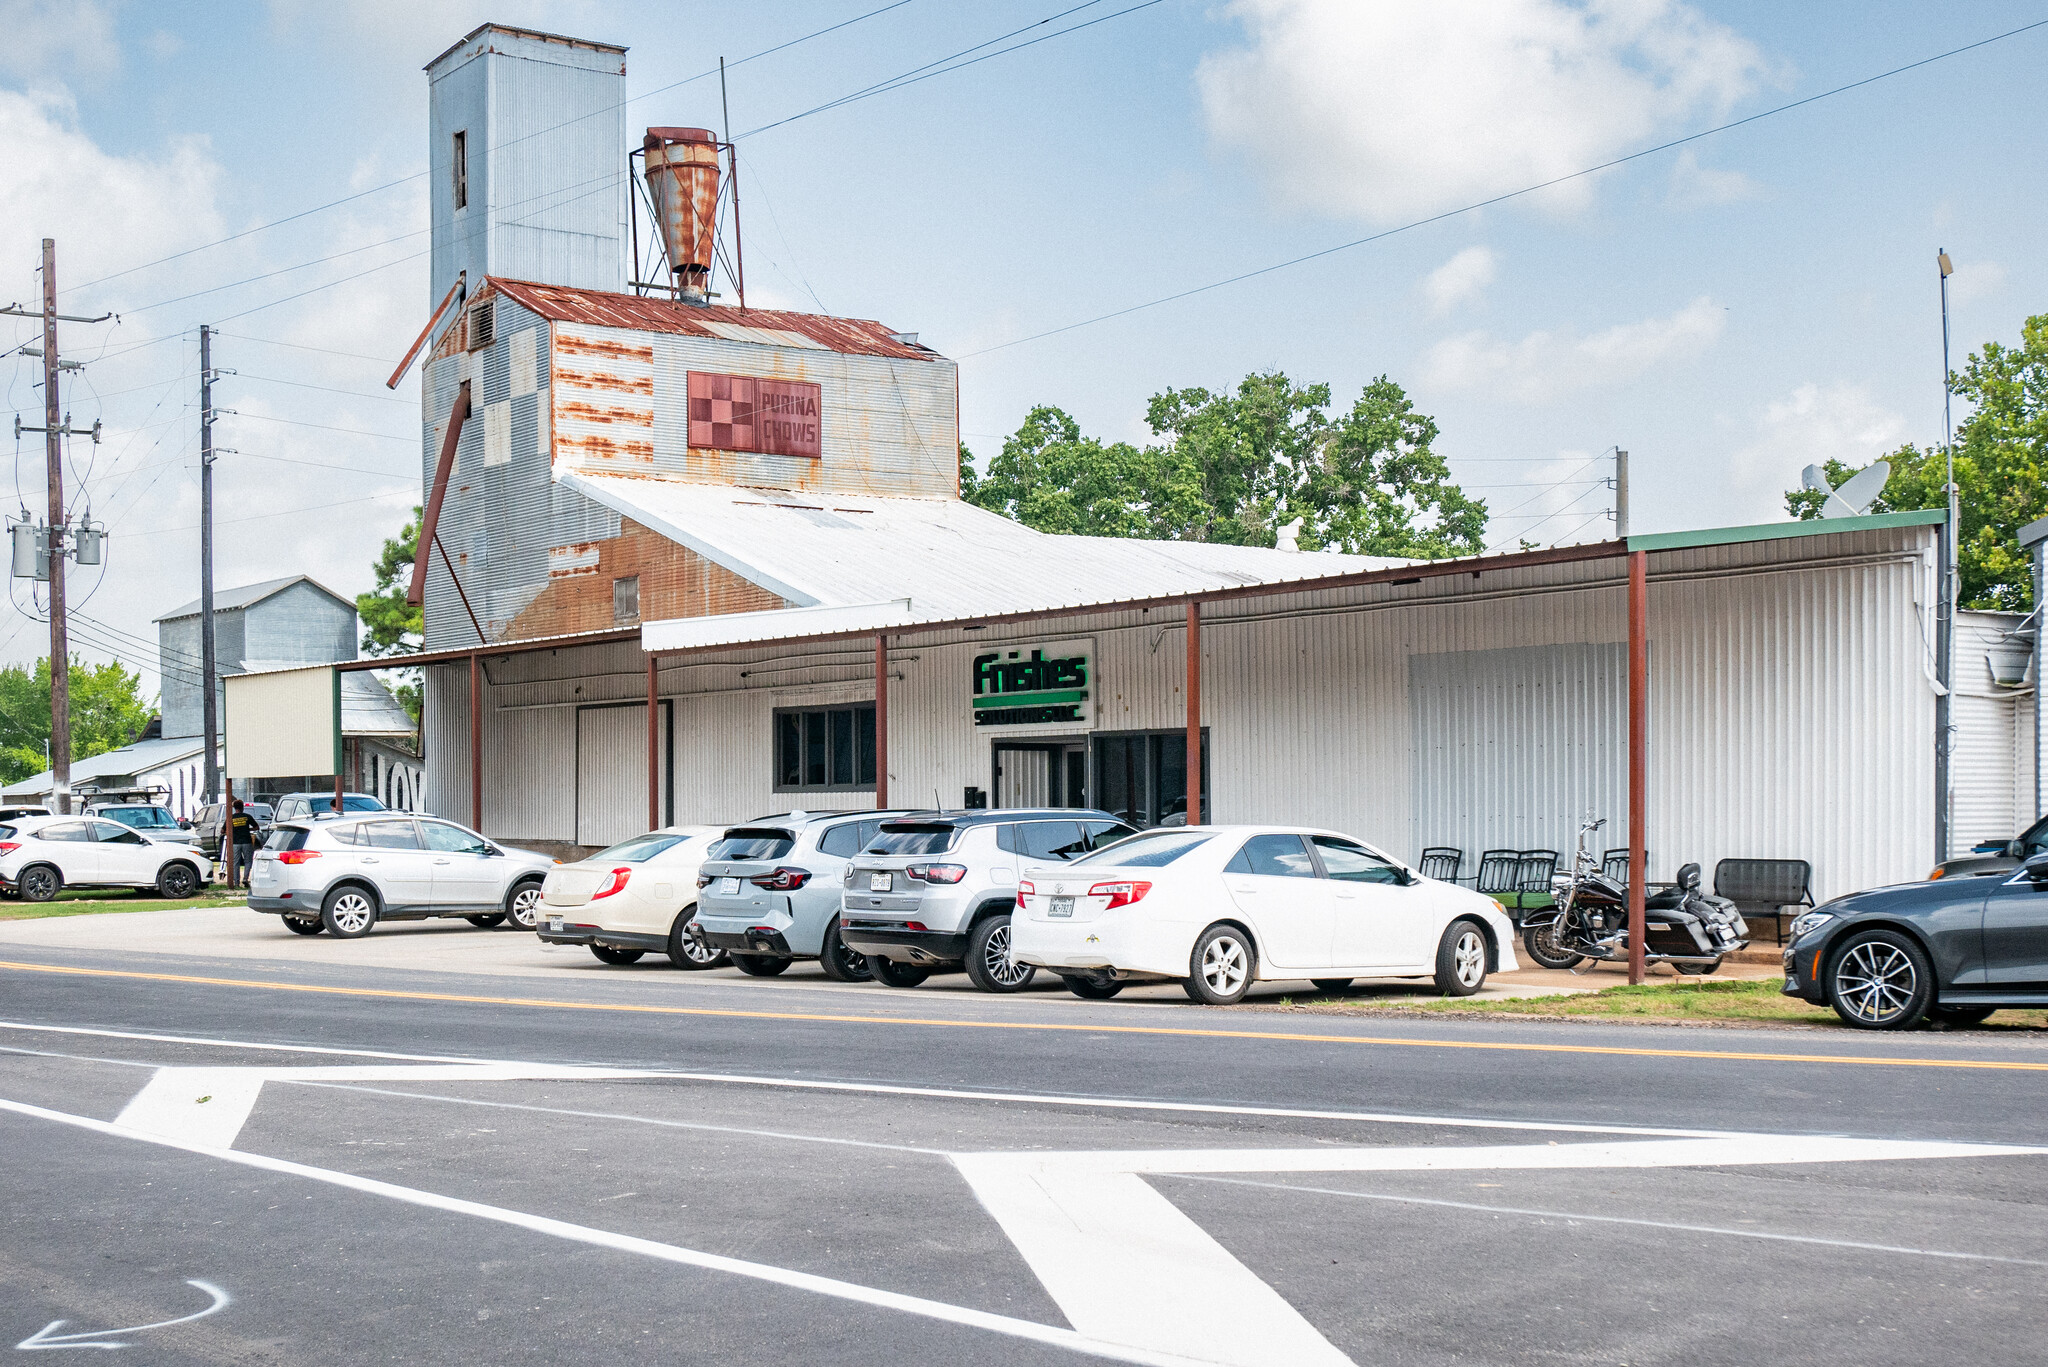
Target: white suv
(344,874)
(41,854)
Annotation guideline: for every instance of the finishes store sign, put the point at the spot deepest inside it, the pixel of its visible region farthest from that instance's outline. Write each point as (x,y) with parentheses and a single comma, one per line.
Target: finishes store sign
(748,413)
(1040,686)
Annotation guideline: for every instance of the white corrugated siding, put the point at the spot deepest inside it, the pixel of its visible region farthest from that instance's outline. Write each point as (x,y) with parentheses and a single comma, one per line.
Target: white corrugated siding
(1994,782)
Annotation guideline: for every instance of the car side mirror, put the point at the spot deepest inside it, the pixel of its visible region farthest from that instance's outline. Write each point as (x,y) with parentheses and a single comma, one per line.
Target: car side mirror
(2037,868)
(2015,850)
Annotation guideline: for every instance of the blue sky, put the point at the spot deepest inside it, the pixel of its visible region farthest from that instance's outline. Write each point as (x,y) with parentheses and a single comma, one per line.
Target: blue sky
(1727,312)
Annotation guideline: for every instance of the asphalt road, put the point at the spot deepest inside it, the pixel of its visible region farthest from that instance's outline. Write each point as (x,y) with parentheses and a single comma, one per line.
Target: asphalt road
(399,1165)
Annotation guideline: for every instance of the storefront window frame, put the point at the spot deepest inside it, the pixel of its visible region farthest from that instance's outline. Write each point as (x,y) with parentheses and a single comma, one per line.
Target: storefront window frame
(862,721)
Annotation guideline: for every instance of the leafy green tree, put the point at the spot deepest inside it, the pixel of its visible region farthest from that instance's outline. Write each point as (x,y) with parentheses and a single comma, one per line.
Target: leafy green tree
(392,626)
(1235,467)
(107,712)
(2001,452)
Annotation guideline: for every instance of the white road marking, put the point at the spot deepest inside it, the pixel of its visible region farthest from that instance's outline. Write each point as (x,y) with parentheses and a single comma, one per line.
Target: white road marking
(228,1043)
(1570,1217)
(1125,1265)
(1050,1335)
(47,1338)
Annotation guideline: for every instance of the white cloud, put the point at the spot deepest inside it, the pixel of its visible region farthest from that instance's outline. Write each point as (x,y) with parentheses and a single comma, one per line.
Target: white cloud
(1974,280)
(1697,186)
(50,40)
(1812,425)
(1545,365)
(1460,279)
(1386,109)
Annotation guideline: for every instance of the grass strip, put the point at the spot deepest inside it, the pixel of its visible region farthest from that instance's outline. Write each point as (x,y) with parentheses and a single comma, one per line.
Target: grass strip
(85,904)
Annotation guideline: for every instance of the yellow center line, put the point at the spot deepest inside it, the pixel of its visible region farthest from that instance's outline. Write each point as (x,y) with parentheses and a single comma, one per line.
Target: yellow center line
(1292,1037)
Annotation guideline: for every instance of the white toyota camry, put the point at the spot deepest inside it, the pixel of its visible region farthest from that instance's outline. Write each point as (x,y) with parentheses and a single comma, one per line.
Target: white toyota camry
(1222,907)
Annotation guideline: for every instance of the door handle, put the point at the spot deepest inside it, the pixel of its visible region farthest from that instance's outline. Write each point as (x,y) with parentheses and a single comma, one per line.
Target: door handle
(440,861)
(371,859)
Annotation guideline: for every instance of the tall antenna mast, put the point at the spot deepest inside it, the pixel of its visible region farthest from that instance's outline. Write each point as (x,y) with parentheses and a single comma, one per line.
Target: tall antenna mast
(732,171)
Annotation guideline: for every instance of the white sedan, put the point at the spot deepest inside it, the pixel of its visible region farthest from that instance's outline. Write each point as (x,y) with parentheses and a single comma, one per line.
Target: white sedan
(1222,907)
(39,855)
(637,896)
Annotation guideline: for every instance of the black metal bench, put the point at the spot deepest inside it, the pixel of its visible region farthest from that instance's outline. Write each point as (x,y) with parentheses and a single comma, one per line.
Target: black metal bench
(1441,862)
(1765,887)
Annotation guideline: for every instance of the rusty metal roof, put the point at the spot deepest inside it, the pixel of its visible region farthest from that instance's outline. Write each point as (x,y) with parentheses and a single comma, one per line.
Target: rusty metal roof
(602,308)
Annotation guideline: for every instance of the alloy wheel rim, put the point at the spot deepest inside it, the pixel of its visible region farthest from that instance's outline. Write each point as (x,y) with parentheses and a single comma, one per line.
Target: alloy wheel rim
(1470,959)
(1223,965)
(694,948)
(526,908)
(1877,981)
(996,958)
(351,913)
(38,880)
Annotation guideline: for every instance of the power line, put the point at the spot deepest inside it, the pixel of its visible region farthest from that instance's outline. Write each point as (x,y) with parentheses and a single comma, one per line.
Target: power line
(1509,195)
(274,513)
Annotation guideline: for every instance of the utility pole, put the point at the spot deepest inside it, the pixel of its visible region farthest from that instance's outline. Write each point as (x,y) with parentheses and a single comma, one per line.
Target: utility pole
(56,426)
(209,704)
(1945,616)
(1620,486)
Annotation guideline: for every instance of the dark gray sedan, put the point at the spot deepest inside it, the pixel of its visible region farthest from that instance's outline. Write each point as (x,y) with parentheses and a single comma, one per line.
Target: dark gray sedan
(1951,949)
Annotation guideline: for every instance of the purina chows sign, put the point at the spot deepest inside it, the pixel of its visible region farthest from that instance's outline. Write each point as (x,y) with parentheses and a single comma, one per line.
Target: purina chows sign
(1046,685)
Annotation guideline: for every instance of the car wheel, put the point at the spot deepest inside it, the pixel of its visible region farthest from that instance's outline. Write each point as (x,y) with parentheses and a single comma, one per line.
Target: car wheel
(1546,949)
(1094,989)
(523,907)
(1960,1015)
(1461,960)
(840,963)
(619,957)
(38,884)
(894,973)
(301,925)
(1330,984)
(348,913)
(989,965)
(1220,969)
(760,965)
(176,881)
(1880,980)
(687,947)
(488,921)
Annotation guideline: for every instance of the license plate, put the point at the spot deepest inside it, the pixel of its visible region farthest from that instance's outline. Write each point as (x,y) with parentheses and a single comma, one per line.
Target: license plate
(555,924)
(880,882)
(1061,906)
(728,887)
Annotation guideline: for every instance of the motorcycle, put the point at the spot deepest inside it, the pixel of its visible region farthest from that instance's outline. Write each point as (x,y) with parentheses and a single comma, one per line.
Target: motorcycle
(1588,919)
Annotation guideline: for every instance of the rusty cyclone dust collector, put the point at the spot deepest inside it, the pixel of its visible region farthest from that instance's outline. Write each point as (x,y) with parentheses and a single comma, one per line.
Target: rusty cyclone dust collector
(682,182)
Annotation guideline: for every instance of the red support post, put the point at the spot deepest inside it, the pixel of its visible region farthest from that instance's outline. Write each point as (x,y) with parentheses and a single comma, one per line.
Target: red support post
(1638,753)
(1194,701)
(881,720)
(476,743)
(653,750)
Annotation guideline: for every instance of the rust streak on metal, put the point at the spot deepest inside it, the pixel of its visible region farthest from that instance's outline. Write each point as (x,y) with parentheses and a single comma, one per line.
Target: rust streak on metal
(579,410)
(600,308)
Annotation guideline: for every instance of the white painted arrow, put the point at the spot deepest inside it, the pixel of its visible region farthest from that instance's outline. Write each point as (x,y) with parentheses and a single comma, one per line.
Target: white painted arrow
(47,1337)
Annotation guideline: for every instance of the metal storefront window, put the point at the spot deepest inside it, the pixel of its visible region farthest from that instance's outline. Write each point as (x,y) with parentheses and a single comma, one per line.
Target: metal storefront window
(825,749)
(1142,776)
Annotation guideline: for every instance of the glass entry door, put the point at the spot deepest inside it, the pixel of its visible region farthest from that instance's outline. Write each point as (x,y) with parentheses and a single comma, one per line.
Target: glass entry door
(1051,774)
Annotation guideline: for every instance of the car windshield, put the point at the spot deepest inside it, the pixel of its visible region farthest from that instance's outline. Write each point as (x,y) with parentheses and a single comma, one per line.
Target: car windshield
(751,844)
(640,847)
(259,810)
(1145,851)
(902,838)
(287,838)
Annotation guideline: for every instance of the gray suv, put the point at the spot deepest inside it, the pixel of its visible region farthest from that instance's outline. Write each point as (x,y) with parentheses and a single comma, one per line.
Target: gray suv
(343,874)
(768,892)
(935,891)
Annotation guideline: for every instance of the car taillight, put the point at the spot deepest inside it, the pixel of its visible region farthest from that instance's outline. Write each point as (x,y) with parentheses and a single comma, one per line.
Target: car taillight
(1120,894)
(937,873)
(615,883)
(781,880)
(1025,889)
(297,856)
(9,846)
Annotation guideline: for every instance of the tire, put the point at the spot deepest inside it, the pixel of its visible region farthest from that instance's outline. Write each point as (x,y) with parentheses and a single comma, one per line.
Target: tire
(300,925)
(761,965)
(38,883)
(1880,980)
(840,963)
(989,965)
(892,973)
(489,921)
(1541,942)
(1461,960)
(1093,989)
(522,908)
(1959,1015)
(686,949)
(1222,966)
(1330,984)
(177,881)
(1697,970)
(349,913)
(618,958)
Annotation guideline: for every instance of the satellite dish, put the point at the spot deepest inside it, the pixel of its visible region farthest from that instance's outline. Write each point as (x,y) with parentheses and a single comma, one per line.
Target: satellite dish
(1857,493)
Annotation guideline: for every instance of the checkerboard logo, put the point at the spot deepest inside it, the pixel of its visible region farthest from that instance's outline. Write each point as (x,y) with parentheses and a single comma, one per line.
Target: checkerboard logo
(749,413)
